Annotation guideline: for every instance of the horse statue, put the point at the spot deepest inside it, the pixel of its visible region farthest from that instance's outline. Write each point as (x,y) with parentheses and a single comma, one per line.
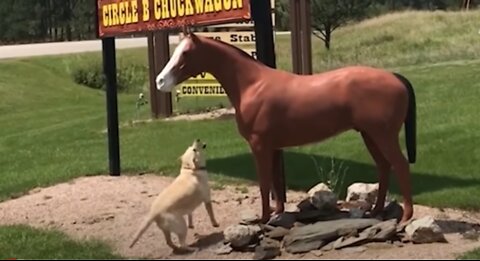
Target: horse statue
(275,109)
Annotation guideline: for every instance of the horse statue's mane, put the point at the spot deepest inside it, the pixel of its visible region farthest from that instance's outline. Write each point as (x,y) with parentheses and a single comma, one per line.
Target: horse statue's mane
(234,48)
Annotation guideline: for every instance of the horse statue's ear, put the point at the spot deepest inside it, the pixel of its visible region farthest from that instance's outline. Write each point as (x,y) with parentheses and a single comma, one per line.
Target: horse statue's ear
(185,31)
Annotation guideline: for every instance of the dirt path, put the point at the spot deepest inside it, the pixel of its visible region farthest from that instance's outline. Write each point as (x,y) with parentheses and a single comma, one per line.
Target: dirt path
(111,208)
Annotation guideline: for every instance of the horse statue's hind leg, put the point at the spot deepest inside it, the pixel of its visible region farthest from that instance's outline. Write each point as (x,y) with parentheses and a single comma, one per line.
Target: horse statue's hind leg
(383,169)
(384,147)
(388,145)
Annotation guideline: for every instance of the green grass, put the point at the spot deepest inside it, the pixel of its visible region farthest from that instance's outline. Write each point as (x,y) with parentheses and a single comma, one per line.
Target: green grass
(51,129)
(22,242)
(471,255)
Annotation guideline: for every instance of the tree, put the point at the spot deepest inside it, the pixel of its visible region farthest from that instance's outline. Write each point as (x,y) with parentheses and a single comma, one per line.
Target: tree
(328,15)
(282,22)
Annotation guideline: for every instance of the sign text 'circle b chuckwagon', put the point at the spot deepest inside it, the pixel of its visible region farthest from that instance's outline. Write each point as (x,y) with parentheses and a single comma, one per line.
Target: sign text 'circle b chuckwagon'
(117,17)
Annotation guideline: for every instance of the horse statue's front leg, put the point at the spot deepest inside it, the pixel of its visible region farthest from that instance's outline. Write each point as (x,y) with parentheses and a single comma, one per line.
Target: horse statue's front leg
(278,177)
(263,156)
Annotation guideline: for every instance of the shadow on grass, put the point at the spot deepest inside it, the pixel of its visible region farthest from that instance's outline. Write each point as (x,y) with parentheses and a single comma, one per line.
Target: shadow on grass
(301,173)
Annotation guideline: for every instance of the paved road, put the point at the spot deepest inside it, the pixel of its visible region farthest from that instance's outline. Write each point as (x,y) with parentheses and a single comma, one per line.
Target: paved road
(39,49)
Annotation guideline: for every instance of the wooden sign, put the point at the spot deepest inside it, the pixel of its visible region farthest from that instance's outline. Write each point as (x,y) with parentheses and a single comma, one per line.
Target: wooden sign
(117,17)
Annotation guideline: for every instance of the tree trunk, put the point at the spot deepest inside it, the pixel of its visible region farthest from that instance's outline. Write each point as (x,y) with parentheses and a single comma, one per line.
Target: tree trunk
(68,30)
(328,36)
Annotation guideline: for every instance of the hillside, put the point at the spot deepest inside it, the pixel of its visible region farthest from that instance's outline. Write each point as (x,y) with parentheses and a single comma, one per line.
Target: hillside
(397,39)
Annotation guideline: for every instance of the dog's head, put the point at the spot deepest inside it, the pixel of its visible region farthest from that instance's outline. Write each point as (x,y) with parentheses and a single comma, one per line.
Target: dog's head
(195,156)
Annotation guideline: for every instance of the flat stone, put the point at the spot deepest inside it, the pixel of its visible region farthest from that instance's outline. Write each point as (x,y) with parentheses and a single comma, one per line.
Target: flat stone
(385,230)
(285,220)
(310,237)
(277,233)
(311,216)
(378,232)
(330,246)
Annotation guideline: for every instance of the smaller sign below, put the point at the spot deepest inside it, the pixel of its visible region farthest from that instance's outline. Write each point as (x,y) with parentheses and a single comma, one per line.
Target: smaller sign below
(234,38)
(208,89)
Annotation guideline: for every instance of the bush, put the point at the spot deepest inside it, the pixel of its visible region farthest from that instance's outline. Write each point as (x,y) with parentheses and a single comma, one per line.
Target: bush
(130,77)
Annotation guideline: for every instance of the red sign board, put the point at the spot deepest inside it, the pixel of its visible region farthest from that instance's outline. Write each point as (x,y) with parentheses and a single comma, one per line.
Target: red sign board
(117,17)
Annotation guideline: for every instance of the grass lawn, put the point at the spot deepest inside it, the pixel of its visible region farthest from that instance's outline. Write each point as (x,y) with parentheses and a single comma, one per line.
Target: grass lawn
(23,242)
(51,128)
(472,255)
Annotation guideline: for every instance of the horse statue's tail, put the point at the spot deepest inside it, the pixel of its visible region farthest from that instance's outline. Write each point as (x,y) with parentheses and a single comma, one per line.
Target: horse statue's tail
(410,120)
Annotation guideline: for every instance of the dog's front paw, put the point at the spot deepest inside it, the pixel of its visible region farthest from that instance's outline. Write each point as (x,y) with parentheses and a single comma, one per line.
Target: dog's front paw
(191,226)
(215,224)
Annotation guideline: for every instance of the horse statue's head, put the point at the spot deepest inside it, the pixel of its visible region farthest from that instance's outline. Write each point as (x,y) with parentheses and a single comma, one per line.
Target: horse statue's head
(181,65)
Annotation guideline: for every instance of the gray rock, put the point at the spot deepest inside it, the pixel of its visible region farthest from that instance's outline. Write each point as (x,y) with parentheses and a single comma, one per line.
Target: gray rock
(471,235)
(310,237)
(317,188)
(385,230)
(354,250)
(249,217)
(363,191)
(398,244)
(267,249)
(356,213)
(305,205)
(285,220)
(378,232)
(317,253)
(311,216)
(392,210)
(330,245)
(223,249)
(277,233)
(324,200)
(364,237)
(240,236)
(424,230)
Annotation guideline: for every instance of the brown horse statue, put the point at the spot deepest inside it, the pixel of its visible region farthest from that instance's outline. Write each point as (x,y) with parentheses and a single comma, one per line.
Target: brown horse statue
(276,109)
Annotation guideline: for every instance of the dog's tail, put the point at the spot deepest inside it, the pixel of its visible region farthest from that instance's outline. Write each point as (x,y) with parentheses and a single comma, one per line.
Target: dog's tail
(146,223)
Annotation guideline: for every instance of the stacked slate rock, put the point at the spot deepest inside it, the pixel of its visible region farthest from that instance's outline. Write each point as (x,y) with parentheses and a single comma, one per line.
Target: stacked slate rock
(322,223)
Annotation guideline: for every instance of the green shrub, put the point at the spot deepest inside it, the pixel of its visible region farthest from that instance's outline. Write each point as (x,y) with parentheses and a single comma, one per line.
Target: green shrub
(130,77)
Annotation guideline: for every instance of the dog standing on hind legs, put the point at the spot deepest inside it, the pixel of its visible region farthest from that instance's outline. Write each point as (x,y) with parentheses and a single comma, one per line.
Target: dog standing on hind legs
(189,190)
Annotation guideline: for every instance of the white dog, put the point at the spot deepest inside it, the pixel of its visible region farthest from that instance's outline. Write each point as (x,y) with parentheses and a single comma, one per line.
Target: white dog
(189,190)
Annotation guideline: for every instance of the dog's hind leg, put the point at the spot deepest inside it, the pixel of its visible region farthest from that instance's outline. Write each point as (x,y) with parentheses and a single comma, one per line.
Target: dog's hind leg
(168,238)
(190,220)
(168,235)
(180,228)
